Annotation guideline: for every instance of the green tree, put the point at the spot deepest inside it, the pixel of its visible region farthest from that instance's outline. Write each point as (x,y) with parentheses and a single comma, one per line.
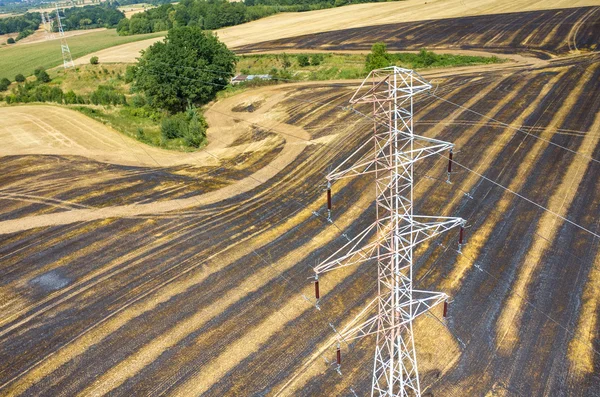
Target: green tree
(10,41)
(94,60)
(4,83)
(189,67)
(19,78)
(378,58)
(42,76)
(303,60)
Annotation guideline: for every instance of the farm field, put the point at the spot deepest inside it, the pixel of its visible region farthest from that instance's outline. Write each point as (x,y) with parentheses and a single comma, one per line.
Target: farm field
(187,276)
(288,25)
(133,270)
(539,33)
(25,58)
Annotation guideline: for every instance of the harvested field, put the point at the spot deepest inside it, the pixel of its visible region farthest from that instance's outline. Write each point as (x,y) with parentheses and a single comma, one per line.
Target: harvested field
(287,25)
(207,297)
(541,33)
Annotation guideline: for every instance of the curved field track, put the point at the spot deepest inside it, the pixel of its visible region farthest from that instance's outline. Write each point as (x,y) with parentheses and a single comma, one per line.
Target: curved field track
(542,33)
(210,299)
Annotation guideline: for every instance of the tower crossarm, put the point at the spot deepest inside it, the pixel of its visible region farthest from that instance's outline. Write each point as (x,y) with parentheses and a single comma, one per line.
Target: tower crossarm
(427,227)
(351,253)
(387,162)
(364,324)
(421,302)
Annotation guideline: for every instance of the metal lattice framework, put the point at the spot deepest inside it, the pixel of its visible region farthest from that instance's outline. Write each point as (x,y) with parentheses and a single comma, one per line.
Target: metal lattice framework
(66,52)
(390,240)
(47,26)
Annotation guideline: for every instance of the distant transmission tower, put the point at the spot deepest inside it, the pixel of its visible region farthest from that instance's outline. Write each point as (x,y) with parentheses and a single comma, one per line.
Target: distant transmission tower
(66,52)
(391,239)
(47,26)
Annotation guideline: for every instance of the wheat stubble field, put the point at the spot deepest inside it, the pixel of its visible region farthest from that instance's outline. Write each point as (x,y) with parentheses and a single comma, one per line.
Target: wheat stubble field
(131,271)
(289,25)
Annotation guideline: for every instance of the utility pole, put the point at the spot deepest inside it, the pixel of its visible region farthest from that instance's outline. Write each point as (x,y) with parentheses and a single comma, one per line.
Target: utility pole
(390,240)
(66,52)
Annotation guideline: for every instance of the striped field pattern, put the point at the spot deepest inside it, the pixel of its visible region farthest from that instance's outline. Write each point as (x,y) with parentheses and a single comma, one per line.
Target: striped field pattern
(211,299)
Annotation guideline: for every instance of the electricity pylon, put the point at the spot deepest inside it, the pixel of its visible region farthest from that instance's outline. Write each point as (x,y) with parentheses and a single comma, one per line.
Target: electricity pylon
(390,240)
(47,26)
(66,52)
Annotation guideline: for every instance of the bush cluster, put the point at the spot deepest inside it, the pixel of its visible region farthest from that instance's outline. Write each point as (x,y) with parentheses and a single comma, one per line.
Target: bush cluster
(107,95)
(189,125)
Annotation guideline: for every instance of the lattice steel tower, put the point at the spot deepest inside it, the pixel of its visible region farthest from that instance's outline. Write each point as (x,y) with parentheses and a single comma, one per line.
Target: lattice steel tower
(390,240)
(47,26)
(66,52)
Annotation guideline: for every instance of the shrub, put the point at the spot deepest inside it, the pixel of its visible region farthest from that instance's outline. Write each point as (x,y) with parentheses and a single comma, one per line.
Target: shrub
(10,41)
(303,60)
(94,60)
(130,73)
(19,78)
(138,101)
(173,127)
(107,95)
(4,83)
(316,59)
(378,58)
(42,77)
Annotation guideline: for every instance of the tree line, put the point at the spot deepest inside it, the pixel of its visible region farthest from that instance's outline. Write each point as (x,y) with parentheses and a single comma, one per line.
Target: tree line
(88,17)
(215,14)
(28,22)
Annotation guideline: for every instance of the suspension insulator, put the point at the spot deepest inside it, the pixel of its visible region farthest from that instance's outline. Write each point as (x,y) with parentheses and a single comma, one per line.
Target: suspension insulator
(450,162)
(317,289)
(329,199)
(461,236)
(339,356)
(445,308)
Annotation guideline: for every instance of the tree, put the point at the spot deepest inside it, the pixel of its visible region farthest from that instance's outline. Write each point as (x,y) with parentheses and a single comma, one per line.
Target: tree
(19,78)
(42,76)
(94,60)
(378,58)
(4,83)
(189,67)
(10,41)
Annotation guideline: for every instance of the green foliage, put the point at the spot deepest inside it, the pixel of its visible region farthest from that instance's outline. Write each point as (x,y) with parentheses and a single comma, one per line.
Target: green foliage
(4,83)
(42,76)
(130,73)
(94,60)
(285,60)
(29,21)
(10,41)
(189,125)
(24,33)
(173,126)
(107,95)
(378,58)
(89,17)
(138,101)
(316,59)
(19,78)
(303,60)
(189,67)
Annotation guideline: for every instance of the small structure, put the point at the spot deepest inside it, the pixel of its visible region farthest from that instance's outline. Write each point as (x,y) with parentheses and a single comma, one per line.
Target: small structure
(243,78)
